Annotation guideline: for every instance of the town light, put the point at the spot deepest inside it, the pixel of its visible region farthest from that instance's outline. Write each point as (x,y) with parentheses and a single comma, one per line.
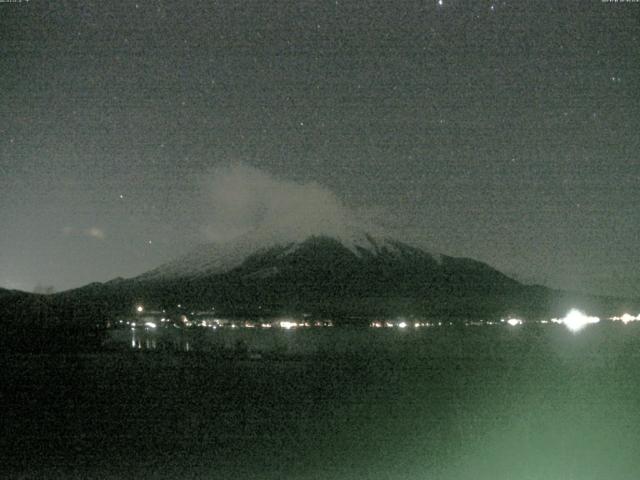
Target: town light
(626,318)
(575,320)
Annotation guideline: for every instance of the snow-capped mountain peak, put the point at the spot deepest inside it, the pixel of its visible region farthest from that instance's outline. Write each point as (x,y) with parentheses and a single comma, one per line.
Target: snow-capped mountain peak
(218,258)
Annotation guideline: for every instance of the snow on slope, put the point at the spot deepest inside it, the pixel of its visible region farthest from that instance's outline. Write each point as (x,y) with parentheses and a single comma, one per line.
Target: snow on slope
(216,258)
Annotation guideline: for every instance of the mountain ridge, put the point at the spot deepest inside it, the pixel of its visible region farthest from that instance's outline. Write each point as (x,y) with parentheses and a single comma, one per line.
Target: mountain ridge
(325,274)
(322,275)
(216,258)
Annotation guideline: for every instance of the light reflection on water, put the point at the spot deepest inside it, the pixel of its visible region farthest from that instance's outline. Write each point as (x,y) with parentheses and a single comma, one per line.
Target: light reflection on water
(148,339)
(140,340)
(257,341)
(495,403)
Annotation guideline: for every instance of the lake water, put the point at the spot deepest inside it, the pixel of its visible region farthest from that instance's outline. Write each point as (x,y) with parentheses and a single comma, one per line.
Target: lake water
(340,403)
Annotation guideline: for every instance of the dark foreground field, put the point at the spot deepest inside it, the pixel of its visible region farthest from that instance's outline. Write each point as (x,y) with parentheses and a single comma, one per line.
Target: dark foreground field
(473,403)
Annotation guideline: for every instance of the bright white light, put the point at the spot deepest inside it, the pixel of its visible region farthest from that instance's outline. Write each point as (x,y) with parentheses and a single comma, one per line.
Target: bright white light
(402,325)
(150,324)
(626,318)
(576,320)
(139,309)
(287,325)
(514,321)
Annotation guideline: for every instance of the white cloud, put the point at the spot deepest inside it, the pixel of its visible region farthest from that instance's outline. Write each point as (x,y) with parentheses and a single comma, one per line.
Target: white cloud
(94,232)
(243,199)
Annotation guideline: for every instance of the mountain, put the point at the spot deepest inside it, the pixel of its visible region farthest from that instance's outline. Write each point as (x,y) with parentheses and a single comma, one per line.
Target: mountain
(7,293)
(348,274)
(215,258)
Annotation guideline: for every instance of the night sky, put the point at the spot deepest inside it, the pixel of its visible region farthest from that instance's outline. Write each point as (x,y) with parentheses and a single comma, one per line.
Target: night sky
(506,131)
